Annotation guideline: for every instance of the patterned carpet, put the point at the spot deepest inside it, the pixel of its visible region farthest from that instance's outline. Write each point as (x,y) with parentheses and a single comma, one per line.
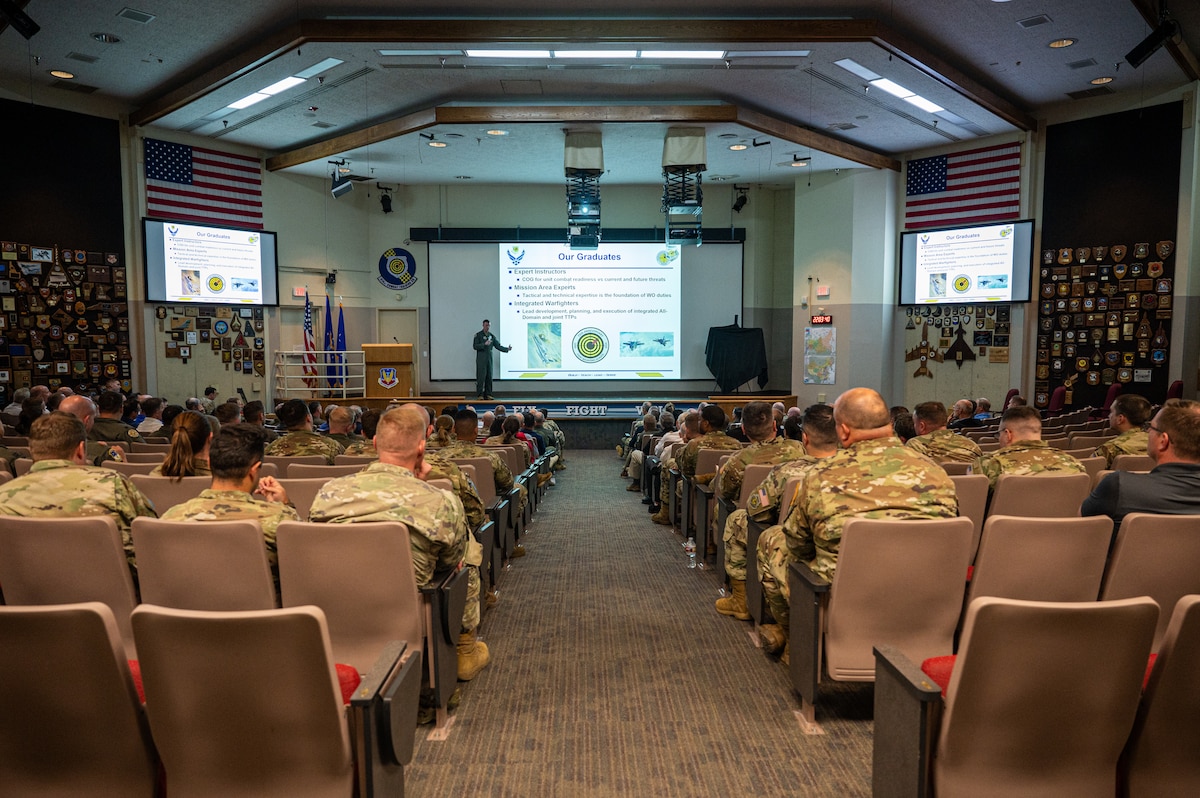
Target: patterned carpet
(612,675)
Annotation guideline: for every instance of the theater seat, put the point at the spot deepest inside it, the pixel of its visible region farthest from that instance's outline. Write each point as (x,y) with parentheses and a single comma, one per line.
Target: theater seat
(248,704)
(1040,701)
(166,492)
(71,722)
(1046,495)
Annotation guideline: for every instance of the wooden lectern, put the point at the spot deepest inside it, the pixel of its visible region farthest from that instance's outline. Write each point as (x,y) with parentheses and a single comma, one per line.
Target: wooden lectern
(389,370)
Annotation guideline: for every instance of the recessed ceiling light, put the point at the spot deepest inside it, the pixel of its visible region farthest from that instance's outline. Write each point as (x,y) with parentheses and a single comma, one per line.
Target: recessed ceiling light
(438,144)
(106,38)
(1101,81)
(738,147)
(62,74)
(497,132)
(1058,44)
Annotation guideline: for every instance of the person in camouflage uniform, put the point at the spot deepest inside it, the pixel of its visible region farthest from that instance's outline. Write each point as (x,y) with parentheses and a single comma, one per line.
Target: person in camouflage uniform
(341,427)
(235,457)
(819,440)
(1022,449)
(466,423)
(1127,416)
(712,436)
(191,438)
(108,425)
(394,489)
(510,428)
(767,447)
(300,439)
(96,451)
(935,441)
(61,485)
(689,428)
(873,476)
(560,439)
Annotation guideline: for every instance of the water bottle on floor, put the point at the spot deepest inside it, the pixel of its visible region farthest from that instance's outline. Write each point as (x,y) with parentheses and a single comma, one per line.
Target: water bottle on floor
(690,548)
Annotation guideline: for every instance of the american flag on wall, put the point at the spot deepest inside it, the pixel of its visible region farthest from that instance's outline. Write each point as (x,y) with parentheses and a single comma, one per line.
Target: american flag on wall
(967,187)
(193,184)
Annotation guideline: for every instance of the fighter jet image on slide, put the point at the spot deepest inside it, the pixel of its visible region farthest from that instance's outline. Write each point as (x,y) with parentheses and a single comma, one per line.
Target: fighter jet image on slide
(633,345)
(664,341)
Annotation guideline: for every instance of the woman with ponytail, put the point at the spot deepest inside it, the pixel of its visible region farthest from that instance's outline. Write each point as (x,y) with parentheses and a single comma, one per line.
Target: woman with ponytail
(191,435)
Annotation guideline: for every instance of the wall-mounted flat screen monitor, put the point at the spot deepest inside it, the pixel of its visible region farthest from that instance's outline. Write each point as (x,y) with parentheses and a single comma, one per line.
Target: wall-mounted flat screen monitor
(209,264)
(967,265)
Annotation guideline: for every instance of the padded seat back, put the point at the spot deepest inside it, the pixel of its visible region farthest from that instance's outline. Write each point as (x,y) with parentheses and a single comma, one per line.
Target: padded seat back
(67,561)
(203,565)
(755,474)
(972,492)
(309,470)
(1042,697)
(708,460)
(484,477)
(166,492)
(1155,556)
(1041,559)
(245,703)
(898,583)
(131,468)
(361,575)
(283,461)
(354,459)
(301,493)
(1133,462)
(72,722)
(1046,495)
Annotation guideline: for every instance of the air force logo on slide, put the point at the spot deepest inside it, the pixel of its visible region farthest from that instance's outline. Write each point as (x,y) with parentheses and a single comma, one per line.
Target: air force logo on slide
(397,269)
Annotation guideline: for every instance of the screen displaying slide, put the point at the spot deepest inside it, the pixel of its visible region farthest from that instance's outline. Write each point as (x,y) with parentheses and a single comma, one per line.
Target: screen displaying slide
(965,265)
(209,264)
(611,313)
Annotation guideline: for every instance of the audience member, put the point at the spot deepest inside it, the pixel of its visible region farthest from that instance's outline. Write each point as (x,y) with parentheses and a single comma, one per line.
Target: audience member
(209,403)
(688,426)
(711,427)
(1127,416)
(18,399)
(228,413)
(191,436)
(341,426)
(31,410)
(300,440)
(1022,449)
(109,426)
(365,446)
(963,416)
(95,452)
(935,441)
(983,408)
(152,410)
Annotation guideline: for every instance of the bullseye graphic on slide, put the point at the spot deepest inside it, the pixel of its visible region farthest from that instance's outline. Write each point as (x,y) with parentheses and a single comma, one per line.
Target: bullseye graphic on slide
(590,344)
(216,283)
(962,283)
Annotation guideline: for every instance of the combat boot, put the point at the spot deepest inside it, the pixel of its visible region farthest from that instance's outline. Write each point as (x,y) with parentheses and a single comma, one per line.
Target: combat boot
(472,656)
(735,603)
(663,516)
(635,485)
(773,636)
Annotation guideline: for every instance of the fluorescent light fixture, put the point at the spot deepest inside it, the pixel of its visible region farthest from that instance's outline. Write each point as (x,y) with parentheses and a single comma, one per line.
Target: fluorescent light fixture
(923,104)
(282,85)
(318,68)
(855,68)
(249,100)
(767,53)
(595,53)
(692,54)
(892,88)
(508,53)
(390,53)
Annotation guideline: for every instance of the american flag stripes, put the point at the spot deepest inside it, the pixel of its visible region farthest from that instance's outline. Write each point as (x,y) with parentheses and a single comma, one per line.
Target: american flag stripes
(202,186)
(310,346)
(968,187)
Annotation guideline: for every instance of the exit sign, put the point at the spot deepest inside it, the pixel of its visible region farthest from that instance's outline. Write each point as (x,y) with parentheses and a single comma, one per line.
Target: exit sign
(826,319)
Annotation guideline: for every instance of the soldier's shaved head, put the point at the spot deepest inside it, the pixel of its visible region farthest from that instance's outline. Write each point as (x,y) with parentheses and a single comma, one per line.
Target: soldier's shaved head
(81,407)
(862,409)
(400,436)
(1024,423)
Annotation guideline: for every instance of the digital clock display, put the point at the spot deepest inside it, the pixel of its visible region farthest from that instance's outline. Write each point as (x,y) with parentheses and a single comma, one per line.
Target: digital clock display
(827,319)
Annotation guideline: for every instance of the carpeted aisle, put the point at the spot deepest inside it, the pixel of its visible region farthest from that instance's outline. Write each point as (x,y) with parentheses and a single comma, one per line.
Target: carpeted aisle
(612,675)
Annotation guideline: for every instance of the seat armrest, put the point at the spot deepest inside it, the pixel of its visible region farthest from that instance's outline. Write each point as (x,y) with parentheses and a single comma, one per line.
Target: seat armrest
(383,720)
(450,596)
(804,631)
(908,710)
(809,580)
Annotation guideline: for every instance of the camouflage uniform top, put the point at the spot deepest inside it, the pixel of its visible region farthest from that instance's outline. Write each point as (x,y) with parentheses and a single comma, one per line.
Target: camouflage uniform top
(691,453)
(382,492)
(113,429)
(1131,441)
(944,446)
(363,448)
(346,438)
(498,440)
(59,488)
(236,505)
(7,455)
(200,468)
(763,504)
(1025,457)
(464,488)
(299,443)
(773,452)
(560,440)
(98,452)
(878,478)
(461,449)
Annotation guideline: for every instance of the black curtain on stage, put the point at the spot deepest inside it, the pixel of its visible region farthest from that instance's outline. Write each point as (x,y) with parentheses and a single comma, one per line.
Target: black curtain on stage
(736,355)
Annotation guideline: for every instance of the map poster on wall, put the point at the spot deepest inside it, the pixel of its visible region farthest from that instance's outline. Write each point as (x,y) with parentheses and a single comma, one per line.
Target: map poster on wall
(820,355)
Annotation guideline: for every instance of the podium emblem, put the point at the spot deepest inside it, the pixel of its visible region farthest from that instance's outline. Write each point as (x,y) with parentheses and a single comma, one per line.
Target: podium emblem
(388,378)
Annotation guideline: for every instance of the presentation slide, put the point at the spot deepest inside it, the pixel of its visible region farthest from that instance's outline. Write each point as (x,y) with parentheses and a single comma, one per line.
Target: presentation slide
(612,313)
(582,317)
(966,265)
(206,264)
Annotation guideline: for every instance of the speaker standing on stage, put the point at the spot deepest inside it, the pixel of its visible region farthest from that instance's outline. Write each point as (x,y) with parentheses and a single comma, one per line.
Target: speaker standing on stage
(484,343)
